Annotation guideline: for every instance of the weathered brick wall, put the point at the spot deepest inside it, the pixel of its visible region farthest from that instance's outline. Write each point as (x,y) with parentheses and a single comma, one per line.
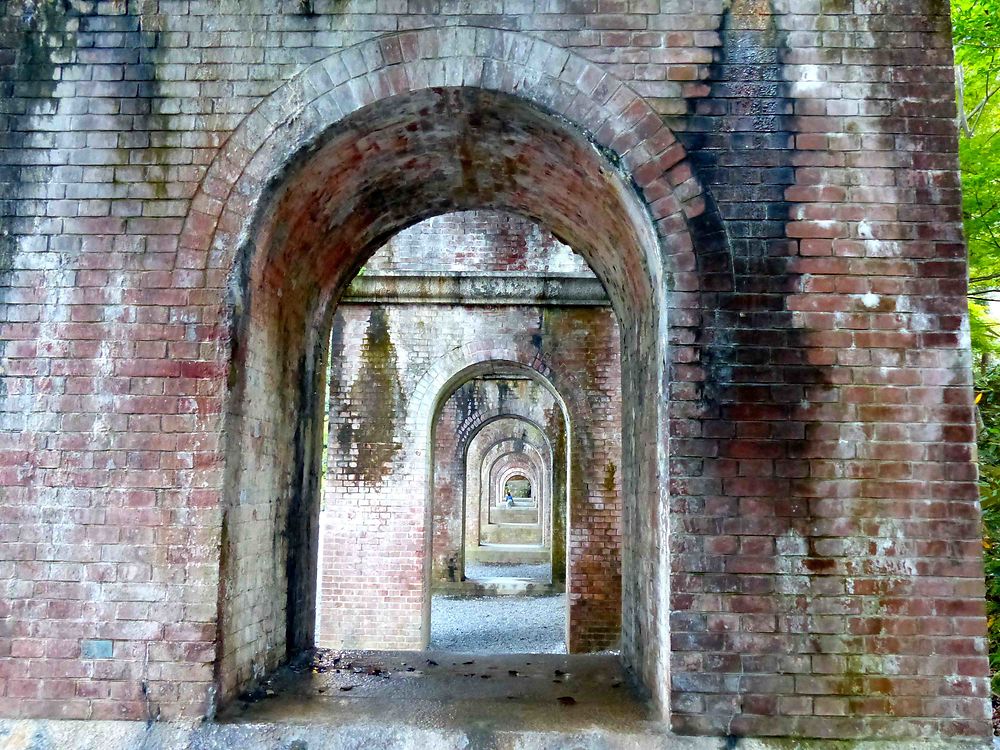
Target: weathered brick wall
(165,246)
(831,456)
(478,241)
(381,532)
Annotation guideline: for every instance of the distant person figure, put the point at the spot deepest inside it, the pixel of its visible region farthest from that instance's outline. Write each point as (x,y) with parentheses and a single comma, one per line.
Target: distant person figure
(510,500)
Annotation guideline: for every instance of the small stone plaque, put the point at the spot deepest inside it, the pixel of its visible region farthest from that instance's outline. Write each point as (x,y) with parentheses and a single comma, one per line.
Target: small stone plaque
(96,649)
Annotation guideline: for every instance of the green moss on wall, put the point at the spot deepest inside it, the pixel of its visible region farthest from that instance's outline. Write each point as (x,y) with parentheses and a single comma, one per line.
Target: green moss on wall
(377,387)
(609,476)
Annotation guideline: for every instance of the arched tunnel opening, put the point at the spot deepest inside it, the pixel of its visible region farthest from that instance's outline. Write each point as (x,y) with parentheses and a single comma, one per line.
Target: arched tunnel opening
(536,324)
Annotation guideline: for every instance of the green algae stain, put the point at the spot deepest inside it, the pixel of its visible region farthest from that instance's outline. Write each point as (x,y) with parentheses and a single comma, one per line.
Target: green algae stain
(377,394)
(44,39)
(610,470)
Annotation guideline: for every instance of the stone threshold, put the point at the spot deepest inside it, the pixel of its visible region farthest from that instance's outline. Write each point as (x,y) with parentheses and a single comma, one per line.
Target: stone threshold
(498,586)
(287,735)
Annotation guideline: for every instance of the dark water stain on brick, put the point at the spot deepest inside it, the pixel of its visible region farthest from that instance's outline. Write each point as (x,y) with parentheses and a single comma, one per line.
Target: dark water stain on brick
(505,392)
(42,39)
(468,399)
(740,139)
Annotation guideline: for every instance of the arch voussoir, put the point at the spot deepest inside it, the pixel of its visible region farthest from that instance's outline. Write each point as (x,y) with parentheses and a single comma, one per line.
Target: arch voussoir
(376,69)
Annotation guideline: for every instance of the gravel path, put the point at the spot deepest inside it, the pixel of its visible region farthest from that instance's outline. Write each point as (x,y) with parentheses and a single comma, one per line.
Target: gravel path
(477,571)
(499,625)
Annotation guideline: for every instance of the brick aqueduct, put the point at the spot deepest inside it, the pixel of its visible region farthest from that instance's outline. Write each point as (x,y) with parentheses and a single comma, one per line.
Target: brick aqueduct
(494,297)
(767,191)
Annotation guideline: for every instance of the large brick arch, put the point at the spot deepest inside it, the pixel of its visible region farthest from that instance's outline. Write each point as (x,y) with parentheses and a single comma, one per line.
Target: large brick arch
(303,192)
(553,79)
(479,357)
(475,421)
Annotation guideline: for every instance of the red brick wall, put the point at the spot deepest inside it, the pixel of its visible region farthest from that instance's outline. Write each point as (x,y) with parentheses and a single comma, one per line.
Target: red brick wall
(819,466)
(165,250)
(477,241)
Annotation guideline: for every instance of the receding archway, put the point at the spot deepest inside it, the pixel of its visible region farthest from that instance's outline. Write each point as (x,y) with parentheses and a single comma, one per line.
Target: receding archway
(490,447)
(473,405)
(513,474)
(406,150)
(587,629)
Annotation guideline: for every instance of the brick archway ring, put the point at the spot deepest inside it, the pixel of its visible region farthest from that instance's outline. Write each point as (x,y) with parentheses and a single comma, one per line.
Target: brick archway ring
(612,115)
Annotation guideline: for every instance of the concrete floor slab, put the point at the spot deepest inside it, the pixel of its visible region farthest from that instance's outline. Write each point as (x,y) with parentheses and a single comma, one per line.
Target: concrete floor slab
(447,702)
(134,735)
(426,689)
(527,554)
(535,572)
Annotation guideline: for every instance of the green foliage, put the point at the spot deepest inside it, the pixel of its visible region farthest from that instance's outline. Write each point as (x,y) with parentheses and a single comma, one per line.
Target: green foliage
(974,22)
(983,329)
(977,67)
(988,395)
(976,28)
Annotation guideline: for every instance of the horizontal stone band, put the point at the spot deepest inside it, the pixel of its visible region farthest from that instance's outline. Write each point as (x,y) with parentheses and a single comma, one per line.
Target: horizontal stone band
(477,289)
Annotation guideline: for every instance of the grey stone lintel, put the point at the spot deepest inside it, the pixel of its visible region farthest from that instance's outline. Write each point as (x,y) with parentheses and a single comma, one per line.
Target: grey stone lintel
(497,288)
